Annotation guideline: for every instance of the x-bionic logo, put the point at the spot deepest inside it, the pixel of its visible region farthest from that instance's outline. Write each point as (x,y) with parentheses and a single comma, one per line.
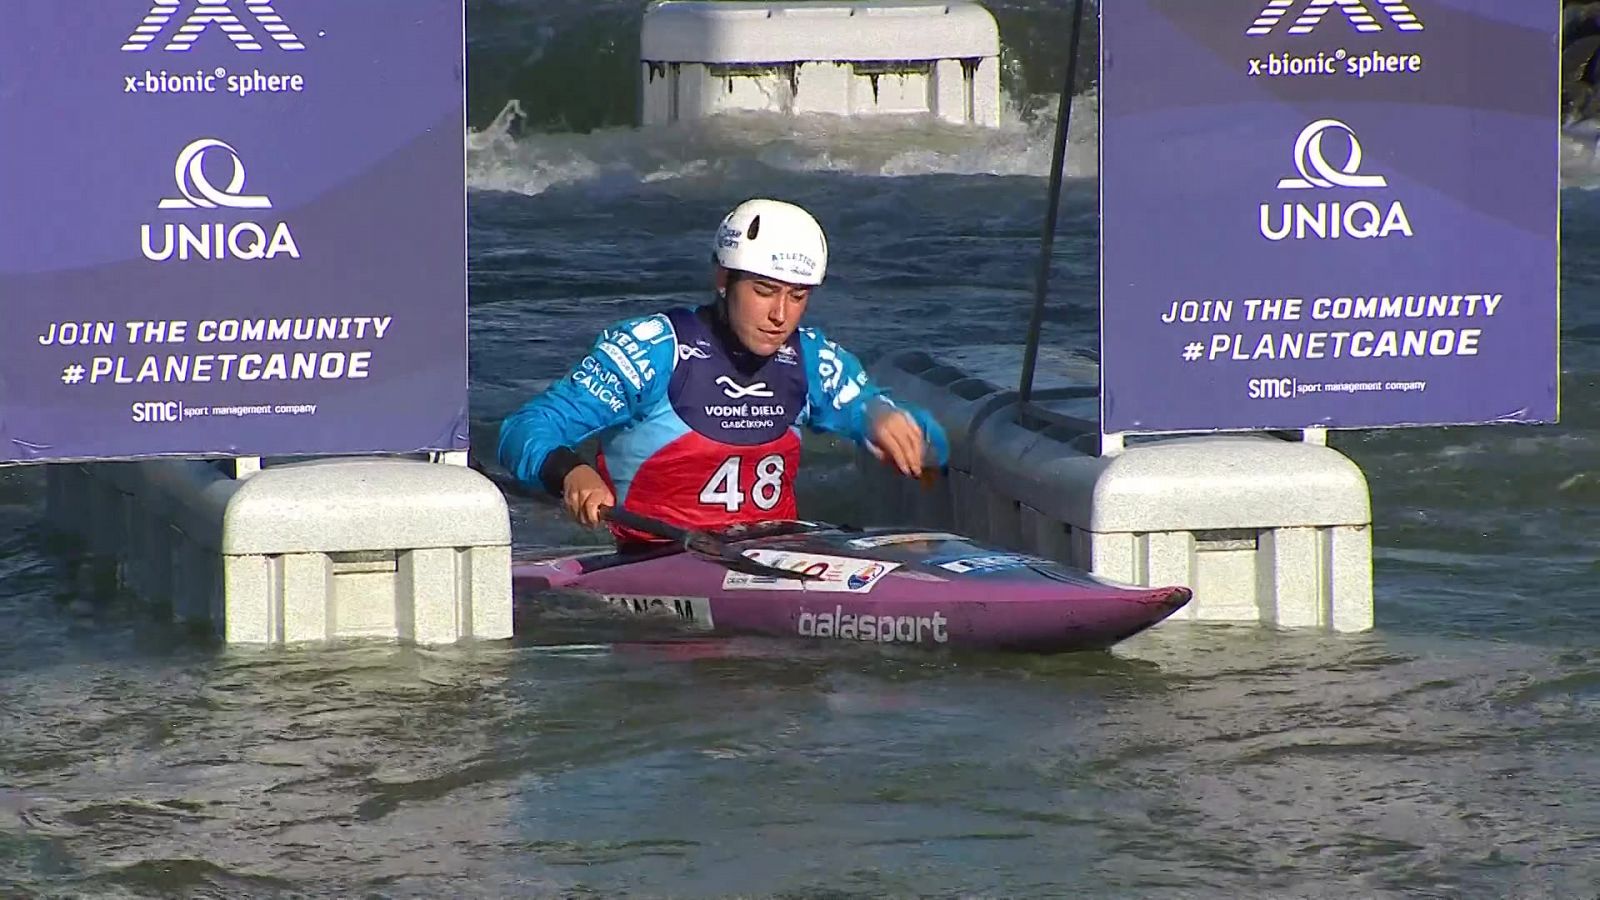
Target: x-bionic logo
(737,391)
(1357,11)
(207,13)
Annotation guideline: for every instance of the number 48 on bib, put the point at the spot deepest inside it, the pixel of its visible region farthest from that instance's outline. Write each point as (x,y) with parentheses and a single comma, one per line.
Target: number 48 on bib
(731,484)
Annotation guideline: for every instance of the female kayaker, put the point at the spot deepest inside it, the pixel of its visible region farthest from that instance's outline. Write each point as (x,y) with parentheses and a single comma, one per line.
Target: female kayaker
(698,410)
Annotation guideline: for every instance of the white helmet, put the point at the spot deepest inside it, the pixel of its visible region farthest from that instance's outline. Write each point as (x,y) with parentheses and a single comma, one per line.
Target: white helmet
(775,239)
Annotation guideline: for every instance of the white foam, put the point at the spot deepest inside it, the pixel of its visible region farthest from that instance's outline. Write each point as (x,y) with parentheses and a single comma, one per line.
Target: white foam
(733,143)
(1580,156)
(537,162)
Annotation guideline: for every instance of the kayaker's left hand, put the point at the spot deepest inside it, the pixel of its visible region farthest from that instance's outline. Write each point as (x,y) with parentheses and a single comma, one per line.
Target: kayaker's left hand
(897,439)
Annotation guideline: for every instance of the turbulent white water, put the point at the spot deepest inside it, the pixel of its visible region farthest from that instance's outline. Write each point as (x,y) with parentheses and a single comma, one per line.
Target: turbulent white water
(748,143)
(1580,156)
(751,142)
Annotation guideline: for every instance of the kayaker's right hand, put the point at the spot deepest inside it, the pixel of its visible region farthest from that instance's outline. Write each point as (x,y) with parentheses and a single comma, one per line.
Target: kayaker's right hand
(584,492)
(895,437)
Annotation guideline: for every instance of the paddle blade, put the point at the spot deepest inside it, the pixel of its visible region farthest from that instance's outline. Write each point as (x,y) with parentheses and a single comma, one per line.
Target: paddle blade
(709,546)
(701,543)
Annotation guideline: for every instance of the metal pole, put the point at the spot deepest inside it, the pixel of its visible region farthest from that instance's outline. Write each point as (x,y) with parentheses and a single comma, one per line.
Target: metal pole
(1047,239)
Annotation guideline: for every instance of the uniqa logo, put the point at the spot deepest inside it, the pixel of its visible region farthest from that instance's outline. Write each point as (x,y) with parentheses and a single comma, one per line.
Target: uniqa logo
(215,240)
(206,14)
(1355,11)
(1360,219)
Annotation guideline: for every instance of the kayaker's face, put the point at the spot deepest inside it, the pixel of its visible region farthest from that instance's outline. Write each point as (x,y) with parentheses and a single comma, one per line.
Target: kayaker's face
(763,312)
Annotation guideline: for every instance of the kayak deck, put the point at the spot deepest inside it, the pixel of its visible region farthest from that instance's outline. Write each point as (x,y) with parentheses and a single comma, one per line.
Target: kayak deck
(879,585)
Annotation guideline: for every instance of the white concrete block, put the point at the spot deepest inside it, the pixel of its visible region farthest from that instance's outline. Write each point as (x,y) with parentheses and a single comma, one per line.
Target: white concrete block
(488,584)
(1204,511)
(1349,573)
(331,505)
(1262,529)
(430,585)
(311,551)
(1293,578)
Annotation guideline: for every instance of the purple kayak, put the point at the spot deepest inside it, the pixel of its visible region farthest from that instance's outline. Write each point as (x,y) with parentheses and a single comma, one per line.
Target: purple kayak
(879,585)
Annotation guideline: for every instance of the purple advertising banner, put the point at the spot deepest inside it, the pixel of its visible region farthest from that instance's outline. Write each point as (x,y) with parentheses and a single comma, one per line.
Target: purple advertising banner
(232,227)
(1328,213)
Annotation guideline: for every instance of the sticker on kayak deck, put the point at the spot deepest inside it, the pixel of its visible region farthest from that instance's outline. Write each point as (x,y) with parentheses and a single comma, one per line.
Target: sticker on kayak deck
(914,575)
(690,609)
(835,574)
(887,540)
(993,563)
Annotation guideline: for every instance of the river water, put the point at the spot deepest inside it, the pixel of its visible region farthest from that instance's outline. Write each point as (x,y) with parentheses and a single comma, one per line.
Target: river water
(1449,753)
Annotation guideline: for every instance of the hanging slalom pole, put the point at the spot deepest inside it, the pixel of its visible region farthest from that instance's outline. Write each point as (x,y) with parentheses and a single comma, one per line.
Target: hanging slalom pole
(1047,238)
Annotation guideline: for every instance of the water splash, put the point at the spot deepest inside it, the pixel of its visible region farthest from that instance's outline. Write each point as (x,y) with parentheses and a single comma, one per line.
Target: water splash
(1580,156)
(502,158)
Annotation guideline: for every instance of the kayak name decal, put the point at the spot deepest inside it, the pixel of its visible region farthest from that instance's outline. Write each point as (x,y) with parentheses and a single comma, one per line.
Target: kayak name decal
(690,609)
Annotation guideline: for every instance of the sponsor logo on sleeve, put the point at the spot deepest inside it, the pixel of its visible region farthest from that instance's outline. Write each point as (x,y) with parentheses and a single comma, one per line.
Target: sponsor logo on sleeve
(622,363)
(601,383)
(650,330)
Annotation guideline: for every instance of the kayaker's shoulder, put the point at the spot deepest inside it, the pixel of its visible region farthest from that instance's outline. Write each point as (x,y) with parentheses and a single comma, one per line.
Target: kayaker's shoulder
(636,349)
(649,330)
(814,342)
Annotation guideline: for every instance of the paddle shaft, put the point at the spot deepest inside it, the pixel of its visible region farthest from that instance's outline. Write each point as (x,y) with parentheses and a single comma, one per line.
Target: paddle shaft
(645,524)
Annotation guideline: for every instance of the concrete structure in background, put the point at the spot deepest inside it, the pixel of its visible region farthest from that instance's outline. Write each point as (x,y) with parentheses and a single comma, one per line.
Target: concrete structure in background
(699,58)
